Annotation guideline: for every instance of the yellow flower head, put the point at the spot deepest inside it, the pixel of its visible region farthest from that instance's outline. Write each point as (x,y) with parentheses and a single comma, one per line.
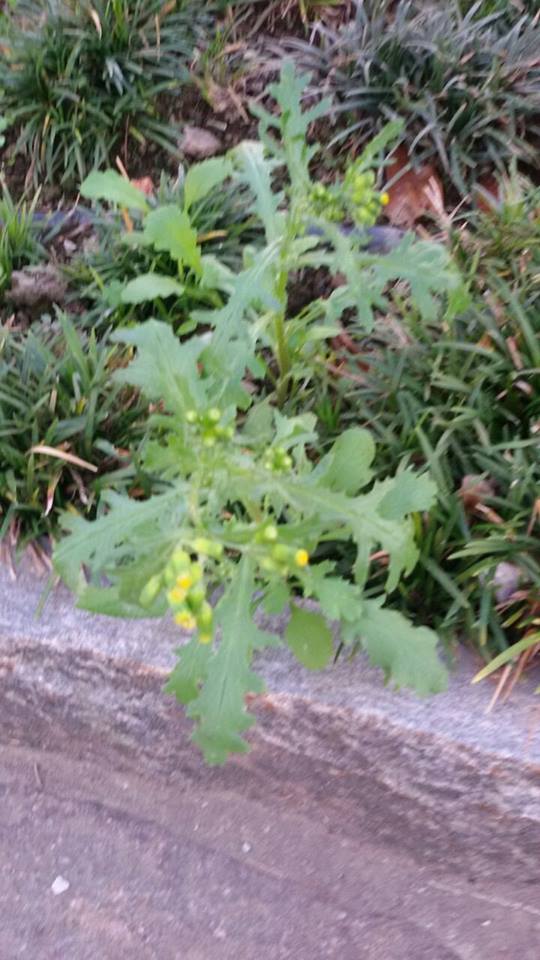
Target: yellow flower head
(184,581)
(301,558)
(385,199)
(185,620)
(176,596)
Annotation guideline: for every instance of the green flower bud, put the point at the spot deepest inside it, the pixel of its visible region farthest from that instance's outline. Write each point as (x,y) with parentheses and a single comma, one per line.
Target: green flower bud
(281,553)
(364,218)
(170,574)
(150,591)
(225,433)
(205,616)
(208,548)
(196,572)
(196,597)
(180,560)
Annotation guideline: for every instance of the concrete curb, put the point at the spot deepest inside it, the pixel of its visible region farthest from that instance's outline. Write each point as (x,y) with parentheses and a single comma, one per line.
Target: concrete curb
(438,777)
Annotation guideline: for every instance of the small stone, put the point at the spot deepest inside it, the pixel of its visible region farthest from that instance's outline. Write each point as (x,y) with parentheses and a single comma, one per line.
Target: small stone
(506,580)
(199,143)
(33,286)
(91,245)
(60,885)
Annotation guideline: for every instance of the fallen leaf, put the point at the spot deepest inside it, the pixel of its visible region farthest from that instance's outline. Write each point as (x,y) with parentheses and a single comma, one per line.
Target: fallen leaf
(226,100)
(415,193)
(535,515)
(489,514)
(63,455)
(97,22)
(515,355)
(145,185)
(488,193)
(346,342)
(51,489)
(474,490)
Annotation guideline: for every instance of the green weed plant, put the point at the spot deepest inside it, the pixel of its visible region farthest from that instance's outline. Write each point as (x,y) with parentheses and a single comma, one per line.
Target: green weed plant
(242,499)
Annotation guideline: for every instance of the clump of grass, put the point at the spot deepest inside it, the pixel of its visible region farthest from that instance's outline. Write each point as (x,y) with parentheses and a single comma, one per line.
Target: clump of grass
(80,79)
(503,236)
(19,244)
(465,80)
(57,394)
(463,398)
(507,8)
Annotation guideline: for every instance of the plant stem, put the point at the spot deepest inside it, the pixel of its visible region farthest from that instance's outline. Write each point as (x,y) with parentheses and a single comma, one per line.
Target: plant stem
(283,355)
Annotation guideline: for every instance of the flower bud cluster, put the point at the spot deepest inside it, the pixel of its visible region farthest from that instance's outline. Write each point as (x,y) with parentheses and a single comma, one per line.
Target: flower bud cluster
(209,426)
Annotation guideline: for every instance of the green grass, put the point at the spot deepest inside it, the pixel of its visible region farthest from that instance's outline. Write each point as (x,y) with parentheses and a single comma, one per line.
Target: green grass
(466,81)
(56,390)
(82,80)
(463,398)
(19,244)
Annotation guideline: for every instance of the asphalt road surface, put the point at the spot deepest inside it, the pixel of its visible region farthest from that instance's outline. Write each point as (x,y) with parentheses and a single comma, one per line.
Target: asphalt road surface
(98,865)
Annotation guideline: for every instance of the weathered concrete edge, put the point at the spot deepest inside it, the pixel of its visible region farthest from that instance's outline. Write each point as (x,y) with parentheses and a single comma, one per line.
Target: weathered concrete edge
(441,775)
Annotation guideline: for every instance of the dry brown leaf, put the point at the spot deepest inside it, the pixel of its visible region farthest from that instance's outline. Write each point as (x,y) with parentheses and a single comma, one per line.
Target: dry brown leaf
(145,185)
(415,193)
(474,490)
(97,22)
(51,490)
(121,167)
(63,455)
(487,193)
(525,387)
(212,235)
(535,515)
(515,355)
(489,514)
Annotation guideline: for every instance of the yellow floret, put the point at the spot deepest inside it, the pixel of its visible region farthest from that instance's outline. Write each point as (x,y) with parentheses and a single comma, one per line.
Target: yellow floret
(184,581)
(385,199)
(301,558)
(185,620)
(176,595)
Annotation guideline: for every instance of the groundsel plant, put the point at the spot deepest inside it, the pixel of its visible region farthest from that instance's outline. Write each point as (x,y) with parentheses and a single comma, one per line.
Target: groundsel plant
(242,500)
(240,511)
